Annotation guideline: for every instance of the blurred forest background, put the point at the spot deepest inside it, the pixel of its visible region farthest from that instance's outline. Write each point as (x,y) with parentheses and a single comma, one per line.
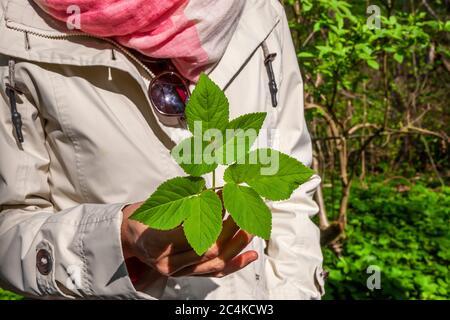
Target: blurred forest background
(377,91)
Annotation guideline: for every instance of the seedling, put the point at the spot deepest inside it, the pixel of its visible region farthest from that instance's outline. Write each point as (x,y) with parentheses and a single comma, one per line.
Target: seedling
(250,176)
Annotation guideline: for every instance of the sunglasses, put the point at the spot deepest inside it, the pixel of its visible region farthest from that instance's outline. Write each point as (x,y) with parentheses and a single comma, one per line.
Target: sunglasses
(168,91)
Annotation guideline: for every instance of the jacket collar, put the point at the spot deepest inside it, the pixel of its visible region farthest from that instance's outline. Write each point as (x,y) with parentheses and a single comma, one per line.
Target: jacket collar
(28,33)
(257,21)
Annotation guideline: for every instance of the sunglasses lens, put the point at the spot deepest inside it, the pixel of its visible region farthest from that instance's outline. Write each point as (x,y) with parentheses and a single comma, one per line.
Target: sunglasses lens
(169,94)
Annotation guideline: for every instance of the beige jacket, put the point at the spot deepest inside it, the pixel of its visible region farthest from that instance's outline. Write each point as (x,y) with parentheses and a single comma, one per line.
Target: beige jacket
(93,144)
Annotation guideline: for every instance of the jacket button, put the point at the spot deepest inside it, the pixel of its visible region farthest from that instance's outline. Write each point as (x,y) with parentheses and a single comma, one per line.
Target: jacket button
(44,262)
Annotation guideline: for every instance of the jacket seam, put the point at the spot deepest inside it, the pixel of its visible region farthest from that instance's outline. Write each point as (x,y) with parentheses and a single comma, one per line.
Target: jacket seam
(67,130)
(5,11)
(3,16)
(27,166)
(23,162)
(81,224)
(86,279)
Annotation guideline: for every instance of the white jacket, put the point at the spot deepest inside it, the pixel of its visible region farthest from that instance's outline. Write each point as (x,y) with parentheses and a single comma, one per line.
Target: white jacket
(93,144)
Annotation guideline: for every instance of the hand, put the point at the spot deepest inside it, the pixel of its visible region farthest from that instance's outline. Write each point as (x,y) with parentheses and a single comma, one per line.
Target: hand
(169,253)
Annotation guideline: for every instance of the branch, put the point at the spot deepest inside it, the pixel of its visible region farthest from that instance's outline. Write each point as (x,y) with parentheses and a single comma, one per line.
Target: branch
(446,64)
(361,126)
(430,10)
(328,118)
(360,150)
(425,132)
(433,164)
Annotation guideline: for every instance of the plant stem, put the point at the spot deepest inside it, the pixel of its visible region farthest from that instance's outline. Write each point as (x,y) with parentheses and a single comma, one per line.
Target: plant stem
(214,179)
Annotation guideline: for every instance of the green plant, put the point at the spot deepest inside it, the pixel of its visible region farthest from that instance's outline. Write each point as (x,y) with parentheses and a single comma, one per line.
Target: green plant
(218,141)
(405,233)
(7,295)
(374,97)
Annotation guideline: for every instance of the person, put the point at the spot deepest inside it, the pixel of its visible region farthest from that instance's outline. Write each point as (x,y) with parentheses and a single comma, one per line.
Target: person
(86,137)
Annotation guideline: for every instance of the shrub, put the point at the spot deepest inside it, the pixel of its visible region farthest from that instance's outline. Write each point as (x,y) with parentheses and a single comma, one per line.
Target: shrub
(406,234)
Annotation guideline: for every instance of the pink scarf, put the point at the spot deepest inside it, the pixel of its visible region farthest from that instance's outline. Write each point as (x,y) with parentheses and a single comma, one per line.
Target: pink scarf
(193,33)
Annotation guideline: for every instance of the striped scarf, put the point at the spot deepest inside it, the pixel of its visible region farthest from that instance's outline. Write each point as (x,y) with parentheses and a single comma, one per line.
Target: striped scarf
(194,34)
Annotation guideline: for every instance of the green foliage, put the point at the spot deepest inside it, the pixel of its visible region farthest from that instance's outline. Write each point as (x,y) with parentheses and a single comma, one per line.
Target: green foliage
(290,174)
(170,204)
(389,84)
(406,234)
(242,133)
(380,72)
(7,295)
(186,200)
(208,106)
(203,225)
(248,209)
(211,144)
(190,155)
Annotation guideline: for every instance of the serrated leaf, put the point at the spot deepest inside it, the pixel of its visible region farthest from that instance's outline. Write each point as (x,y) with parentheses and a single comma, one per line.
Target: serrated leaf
(207,105)
(198,157)
(240,135)
(203,226)
(277,183)
(248,210)
(170,204)
(194,156)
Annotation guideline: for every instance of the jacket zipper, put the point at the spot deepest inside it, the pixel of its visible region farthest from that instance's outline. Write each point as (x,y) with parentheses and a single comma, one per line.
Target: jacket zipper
(11,91)
(150,74)
(268,59)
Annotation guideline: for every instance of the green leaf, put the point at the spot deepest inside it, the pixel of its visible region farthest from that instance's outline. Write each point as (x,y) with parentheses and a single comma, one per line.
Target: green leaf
(195,156)
(203,226)
(240,135)
(207,105)
(248,210)
(198,157)
(373,64)
(170,204)
(447,26)
(306,54)
(306,5)
(274,175)
(399,57)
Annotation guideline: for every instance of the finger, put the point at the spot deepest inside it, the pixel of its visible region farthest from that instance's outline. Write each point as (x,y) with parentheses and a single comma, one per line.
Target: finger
(220,195)
(237,263)
(174,263)
(236,245)
(176,240)
(228,231)
(180,244)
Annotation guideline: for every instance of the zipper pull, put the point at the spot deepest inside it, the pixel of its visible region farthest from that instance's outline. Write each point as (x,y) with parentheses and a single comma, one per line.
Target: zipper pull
(11,92)
(268,59)
(27,41)
(109,74)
